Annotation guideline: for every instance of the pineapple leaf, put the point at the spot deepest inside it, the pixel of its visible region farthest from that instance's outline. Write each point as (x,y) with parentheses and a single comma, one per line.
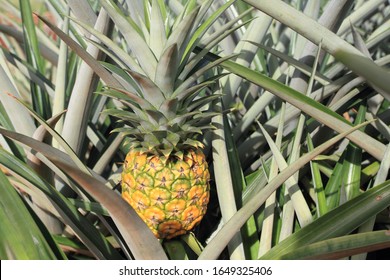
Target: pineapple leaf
(219,242)
(194,90)
(123,77)
(56,135)
(182,118)
(166,154)
(197,61)
(192,79)
(147,127)
(93,63)
(134,40)
(151,141)
(173,138)
(123,115)
(181,34)
(182,11)
(144,23)
(166,70)
(124,95)
(128,131)
(192,143)
(129,100)
(190,94)
(225,30)
(149,90)
(158,37)
(169,108)
(108,52)
(123,56)
(179,154)
(202,29)
(202,101)
(156,117)
(202,119)
(30,72)
(21,237)
(306,104)
(132,228)
(136,11)
(84,229)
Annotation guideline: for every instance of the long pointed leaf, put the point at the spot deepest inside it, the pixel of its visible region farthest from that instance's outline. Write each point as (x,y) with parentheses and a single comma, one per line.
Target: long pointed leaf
(332,43)
(95,65)
(307,105)
(218,243)
(123,55)
(339,247)
(20,236)
(157,30)
(133,229)
(166,70)
(83,228)
(127,220)
(339,221)
(137,44)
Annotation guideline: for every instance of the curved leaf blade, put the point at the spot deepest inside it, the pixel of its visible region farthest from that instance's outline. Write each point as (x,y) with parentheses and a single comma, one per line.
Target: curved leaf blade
(341,247)
(311,107)
(84,229)
(133,229)
(219,242)
(340,221)
(20,236)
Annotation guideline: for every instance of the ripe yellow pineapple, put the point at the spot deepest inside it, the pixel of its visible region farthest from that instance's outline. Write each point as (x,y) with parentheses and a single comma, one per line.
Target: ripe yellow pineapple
(170,195)
(165,175)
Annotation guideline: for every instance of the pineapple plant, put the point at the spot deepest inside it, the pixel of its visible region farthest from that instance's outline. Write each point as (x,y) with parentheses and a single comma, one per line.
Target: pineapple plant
(162,93)
(165,175)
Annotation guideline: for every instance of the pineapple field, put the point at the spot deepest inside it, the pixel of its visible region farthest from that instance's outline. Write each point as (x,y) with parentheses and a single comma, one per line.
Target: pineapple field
(194,130)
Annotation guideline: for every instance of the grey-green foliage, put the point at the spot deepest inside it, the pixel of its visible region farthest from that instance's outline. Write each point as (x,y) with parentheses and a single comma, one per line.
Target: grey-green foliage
(270,46)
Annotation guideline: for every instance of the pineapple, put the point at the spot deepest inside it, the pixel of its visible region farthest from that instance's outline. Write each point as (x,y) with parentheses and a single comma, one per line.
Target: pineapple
(169,193)
(165,174)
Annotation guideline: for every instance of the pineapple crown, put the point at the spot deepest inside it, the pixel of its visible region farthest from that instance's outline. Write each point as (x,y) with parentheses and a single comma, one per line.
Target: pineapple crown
(165,96)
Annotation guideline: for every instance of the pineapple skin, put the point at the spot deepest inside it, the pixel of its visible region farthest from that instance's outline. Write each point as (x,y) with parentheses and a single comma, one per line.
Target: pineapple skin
(170,195)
